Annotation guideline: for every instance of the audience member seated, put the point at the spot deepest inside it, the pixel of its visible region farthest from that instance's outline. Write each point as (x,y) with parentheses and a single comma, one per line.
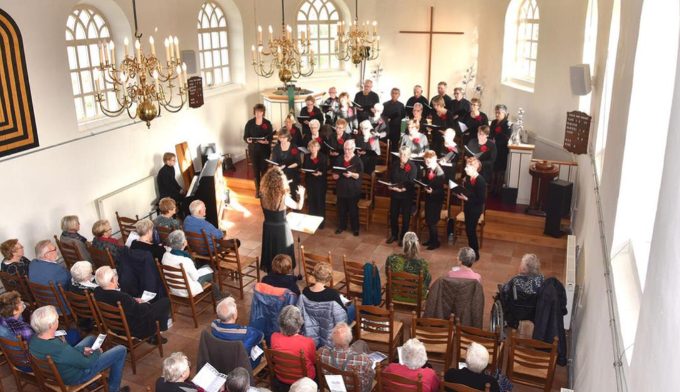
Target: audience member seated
(14,261)
(290,341)
(81,284)
(196,222)
(76,364)
(281,275)
(238,380)
(409,262)
(141,317)
(466,257)
(102,239)
(177,257)
(304,384)
(472,375)
(176,371)
(318,292)
(44,269)
(168,208)
(414,357)
(352,358)
(225,328)
(69,235)
(529,279)
(144,229)
(137,271)
(11,317)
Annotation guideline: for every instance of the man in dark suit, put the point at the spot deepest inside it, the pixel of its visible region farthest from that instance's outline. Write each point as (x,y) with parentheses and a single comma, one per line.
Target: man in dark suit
(141,316)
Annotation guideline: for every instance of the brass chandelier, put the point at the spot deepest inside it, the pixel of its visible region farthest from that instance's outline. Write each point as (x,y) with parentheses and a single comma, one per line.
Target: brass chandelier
(288,54)
(357,44)
(140,79)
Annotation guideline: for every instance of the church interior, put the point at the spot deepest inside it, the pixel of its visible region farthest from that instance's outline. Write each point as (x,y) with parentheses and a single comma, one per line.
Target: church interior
(555,64)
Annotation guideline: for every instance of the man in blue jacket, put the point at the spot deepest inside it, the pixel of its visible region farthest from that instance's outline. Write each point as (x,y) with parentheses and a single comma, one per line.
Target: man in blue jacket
(44,268)
(196,222)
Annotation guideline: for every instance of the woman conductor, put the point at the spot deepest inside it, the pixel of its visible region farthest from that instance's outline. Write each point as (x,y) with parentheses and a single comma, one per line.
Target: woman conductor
(258,134)
(474,204)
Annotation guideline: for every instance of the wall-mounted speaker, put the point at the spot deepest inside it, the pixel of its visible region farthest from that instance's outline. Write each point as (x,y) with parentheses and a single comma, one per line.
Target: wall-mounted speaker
(581,83)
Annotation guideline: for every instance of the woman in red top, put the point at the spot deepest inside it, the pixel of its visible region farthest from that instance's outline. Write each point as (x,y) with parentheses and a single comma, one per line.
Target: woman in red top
(414,356)
(290,341)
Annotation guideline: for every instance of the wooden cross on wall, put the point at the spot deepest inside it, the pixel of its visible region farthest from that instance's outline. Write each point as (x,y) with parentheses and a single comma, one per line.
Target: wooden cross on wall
(431,32)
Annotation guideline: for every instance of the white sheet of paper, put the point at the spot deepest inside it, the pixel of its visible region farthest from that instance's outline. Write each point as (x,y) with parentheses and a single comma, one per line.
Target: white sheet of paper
(455,268)
(344,300)
(462,365)
(376,357)
(255,352)
(60,332)
(401,362)
(204,271)
(335,383)
(148,296)
(209,378)
(462,126)
(98,343)
(452,184)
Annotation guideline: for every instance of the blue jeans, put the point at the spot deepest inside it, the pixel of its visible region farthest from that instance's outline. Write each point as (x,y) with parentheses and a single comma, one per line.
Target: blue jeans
(351,313)
(113,358)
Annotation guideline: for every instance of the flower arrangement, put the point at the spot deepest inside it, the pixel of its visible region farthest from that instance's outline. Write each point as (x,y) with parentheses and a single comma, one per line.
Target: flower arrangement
(518,128)
(468,79)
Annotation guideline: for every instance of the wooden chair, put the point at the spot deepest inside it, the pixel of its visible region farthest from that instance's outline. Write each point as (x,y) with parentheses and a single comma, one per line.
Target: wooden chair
(459,224)
(415,213)
(288,366)
(82,307)
(350,377)
(19,284)
(365,204)
(69,251)
(388,382)
(113,318)
(354,277)
(16,353)
(49,377)
(309,262)
(492,341)
(126,225)
(176,279)
(231,265)
(49,295)
(377,325)
(331,197)
(382,163)
(436,335)
(452,386)
(407,288)
(164,232)
(102,258)
(200,248)
(443,214)
(532,362)
(249,163)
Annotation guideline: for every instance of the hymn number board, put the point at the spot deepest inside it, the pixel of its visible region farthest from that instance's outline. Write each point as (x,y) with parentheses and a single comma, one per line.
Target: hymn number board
(576,132)
(195,84)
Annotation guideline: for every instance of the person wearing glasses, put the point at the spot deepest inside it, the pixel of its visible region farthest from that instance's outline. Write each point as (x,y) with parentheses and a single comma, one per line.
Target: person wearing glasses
(102,239)
(45,269)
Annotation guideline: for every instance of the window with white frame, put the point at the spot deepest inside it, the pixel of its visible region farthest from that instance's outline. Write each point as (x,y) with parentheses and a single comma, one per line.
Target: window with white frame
(520,49)
(321,18)
(85,29)
(213,46)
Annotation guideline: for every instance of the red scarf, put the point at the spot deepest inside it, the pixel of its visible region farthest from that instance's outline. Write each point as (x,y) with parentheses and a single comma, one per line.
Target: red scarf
(311,114)
(442,116)
(346,164)
(315,160)
(111,240)
(292,131)
(473,181)
(498,129)
(430,174)
(479,118)
(318,139)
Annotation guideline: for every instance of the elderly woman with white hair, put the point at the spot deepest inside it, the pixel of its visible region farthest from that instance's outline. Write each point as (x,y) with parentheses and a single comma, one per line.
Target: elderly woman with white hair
(348,357)
(70,225)
(472,375)
(367,145)
(348,171)
(290,340)
(414,357)
(529,279)
(305,384)
(176,372)
(226,328)
(177,257)
(81,278)
(501,131)
(144,228)
(77,364)
(466,258)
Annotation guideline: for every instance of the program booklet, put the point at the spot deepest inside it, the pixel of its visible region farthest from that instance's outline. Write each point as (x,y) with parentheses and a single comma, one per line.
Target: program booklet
(209,378)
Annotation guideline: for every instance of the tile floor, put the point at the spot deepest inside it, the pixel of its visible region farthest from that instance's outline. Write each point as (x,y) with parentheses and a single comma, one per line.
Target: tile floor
(499,261)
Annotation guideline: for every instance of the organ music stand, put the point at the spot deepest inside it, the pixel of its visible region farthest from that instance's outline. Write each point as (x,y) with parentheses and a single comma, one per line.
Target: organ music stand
(302,223)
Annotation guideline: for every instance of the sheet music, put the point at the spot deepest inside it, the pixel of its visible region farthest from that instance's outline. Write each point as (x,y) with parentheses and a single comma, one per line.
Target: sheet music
(335,383)
(148,296)
(209,378)
(193,186)
(303,223)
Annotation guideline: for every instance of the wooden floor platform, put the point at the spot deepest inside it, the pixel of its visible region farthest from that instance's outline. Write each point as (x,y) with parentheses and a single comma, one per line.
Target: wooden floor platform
(501,225)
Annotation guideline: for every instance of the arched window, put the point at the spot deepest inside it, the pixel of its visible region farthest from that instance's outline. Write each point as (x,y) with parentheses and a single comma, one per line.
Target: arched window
(213,47)
(321,16)
(85,29)
(520,50)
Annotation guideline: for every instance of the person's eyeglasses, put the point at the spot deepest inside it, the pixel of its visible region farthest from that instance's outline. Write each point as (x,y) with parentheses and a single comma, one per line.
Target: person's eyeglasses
(51,250)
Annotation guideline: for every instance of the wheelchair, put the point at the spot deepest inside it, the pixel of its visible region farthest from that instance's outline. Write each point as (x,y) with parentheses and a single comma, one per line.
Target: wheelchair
(509,311)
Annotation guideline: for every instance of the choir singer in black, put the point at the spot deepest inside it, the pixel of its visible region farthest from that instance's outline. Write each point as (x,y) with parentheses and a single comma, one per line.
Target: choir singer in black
(500,134)
(366,100)
(309,113)
(394,112)
(416,98)
(258,134)
(348,172)
(367,146)
(474,204)
(434,180)
(484,150)
(315,167)
(402,176)
(288,157)
(474,120)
